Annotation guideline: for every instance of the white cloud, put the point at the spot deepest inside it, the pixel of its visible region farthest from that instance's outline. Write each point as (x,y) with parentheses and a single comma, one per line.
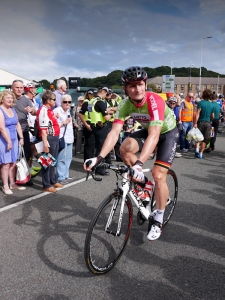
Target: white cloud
(50,39)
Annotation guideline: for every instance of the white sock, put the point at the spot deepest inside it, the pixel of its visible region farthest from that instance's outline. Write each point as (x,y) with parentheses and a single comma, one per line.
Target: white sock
(159,215)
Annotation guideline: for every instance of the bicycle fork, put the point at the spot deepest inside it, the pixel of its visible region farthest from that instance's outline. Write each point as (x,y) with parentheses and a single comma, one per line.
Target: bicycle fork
(125,188)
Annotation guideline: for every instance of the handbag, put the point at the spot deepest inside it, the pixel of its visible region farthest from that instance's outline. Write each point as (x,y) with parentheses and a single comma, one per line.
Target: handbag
(62,143)
(23,172)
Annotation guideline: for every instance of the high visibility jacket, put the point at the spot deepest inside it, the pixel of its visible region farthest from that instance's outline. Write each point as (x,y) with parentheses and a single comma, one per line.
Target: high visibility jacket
(187,112)
(113,105)
(94,115)
(86,115)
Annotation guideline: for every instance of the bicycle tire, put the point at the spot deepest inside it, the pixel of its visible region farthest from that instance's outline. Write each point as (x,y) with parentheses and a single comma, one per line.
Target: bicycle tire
(172,183)
(102,249)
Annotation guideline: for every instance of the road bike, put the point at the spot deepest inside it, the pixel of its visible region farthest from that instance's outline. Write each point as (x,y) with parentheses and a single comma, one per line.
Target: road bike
(110,227)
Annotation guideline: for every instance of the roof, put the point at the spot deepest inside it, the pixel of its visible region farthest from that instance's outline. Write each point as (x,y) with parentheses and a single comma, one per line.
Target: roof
(6,78)
(194,80)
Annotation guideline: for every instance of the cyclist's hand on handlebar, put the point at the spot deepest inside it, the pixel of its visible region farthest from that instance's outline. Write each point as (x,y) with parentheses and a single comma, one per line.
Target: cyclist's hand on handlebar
(91,162)
(138,174)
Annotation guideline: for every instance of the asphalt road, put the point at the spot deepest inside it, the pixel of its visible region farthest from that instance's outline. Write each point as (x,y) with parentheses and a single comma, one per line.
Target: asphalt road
(42,239)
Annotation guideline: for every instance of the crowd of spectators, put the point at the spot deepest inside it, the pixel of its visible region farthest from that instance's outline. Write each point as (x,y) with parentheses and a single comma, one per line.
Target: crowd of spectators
(85,127)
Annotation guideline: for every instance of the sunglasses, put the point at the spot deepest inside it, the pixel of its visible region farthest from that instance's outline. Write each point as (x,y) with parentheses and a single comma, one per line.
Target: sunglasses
(173,103)
(191,97)
(54,99)
(69,102)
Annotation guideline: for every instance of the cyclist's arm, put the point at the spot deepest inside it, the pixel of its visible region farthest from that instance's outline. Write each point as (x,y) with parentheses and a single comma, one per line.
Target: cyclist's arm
(150,142)
(111,139)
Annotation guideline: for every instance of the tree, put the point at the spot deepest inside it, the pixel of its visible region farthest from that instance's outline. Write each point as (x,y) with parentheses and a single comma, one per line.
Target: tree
(152,87)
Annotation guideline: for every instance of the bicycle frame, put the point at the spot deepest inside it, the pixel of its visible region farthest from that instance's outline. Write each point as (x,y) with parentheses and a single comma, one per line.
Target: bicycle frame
(125,186)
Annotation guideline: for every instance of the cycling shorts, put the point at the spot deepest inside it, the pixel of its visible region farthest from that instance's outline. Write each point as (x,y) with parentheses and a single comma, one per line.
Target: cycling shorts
(166,146)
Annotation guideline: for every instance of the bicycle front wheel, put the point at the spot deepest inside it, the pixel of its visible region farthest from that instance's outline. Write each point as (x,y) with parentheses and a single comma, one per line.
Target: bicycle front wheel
(172,183)
(103,246)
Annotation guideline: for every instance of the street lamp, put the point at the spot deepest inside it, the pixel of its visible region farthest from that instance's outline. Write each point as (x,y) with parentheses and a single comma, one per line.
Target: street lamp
(200,75)
(172,66)
(191,65)
(218,84)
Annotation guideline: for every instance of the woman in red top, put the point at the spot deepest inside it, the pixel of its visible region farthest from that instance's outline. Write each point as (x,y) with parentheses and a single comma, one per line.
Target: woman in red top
(49,130)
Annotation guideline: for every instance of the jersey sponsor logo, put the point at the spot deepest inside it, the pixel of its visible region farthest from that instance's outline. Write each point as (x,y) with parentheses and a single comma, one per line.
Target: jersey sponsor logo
(173,153)
(169,121)
(141,118)
(153,102)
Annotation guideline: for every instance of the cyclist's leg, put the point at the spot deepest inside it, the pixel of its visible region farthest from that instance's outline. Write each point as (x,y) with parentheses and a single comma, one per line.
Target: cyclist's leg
(162,164)
(131,145)
(161,189)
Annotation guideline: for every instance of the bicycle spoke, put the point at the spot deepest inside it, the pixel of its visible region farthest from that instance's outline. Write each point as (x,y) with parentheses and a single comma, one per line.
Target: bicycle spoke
(103,247)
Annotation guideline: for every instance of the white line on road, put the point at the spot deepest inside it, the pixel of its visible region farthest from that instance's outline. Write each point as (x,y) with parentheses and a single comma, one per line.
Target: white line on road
(46,193)
(39,196)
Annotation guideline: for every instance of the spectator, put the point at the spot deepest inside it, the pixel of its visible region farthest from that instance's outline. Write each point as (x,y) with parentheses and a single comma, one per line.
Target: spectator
(30,92)
(60,91)
(205,113)
(49,133)
(186,114)
(112,106)
(89,138)
(99,116)
(215,122)
(64,157)
(173,105)
(9,148)
(23,107)
(79,126)
(220,100)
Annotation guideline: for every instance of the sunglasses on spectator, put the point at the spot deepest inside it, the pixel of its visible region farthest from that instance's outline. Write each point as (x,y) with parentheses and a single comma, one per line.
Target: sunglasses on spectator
(69,102)
(54,99)
(191,97)
(173,103)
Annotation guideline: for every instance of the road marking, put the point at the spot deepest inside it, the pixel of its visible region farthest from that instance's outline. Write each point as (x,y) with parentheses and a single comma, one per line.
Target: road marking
(40,195)
(46,193)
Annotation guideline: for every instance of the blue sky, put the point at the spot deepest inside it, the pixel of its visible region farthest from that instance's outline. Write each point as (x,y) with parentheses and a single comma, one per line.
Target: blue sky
(88,38)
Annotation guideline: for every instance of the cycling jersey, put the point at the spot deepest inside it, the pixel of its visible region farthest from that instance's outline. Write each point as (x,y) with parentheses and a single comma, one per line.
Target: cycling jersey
(154,112)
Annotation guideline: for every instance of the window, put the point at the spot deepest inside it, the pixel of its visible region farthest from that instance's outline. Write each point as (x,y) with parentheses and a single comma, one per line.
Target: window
(175,87)
(182,87)
(212,87)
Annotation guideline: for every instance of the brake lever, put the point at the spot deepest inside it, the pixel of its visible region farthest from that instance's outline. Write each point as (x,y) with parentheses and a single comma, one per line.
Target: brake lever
(92,173)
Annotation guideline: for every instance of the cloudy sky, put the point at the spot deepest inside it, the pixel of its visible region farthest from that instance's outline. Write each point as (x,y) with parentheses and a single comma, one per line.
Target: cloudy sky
(47,39)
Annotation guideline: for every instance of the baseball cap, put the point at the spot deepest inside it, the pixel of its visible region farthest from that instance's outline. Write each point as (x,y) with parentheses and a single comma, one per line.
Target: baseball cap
(90,91)
(105,89)
(173,99)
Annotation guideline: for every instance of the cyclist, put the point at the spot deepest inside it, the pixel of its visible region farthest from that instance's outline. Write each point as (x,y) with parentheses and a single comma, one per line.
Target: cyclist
(160,130)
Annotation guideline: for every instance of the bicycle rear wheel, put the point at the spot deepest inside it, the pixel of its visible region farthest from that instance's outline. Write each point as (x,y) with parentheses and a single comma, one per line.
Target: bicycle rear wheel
(172,183)
(103,248)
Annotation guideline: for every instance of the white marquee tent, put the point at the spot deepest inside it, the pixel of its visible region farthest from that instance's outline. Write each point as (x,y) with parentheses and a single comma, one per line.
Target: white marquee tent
(6,78)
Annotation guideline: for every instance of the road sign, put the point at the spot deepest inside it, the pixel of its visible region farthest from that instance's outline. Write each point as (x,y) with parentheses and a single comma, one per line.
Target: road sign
(168,83)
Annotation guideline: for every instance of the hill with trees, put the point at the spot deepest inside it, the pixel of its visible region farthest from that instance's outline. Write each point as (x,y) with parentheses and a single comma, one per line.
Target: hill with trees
(113,79)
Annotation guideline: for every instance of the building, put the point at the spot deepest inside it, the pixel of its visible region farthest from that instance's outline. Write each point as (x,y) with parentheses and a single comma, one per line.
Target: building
(186,84)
